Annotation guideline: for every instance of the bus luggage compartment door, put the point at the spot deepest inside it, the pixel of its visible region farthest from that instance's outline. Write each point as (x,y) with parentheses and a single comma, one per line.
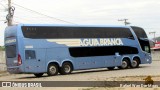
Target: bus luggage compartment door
(114,60)
(35,60)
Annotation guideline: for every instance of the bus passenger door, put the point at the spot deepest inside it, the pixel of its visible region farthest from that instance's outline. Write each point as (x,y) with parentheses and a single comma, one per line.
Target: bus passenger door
(35,60)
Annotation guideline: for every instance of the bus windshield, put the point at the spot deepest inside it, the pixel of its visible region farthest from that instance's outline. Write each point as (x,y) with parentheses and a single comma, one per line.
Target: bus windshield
(142,38)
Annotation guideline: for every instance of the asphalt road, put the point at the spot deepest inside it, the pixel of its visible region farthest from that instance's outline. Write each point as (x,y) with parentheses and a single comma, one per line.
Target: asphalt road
(90,75)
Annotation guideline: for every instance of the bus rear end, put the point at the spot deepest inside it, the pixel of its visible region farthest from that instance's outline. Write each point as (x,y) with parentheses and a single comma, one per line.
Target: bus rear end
(13,58)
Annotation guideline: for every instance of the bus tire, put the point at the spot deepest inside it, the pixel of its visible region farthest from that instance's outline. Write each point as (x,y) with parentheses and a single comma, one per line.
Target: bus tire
(66,68)
(38,74)
(135,63)
(110,68)
(52,69)
(125,64)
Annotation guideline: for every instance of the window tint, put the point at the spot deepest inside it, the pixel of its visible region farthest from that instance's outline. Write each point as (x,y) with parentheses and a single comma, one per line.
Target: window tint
(37,32)
(11,51)
(145,45)
(30,54)
(101,51)
(142,38)
(139,32)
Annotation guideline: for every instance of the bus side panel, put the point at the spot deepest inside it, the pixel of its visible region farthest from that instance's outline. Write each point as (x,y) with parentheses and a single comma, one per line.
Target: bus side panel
(20,48)
(34,61)
(88,62)
(57,55)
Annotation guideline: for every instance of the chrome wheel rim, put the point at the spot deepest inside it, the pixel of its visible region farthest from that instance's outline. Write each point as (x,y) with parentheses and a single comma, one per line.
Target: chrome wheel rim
(67,68)
(134,63)
(52,69)
(124,64)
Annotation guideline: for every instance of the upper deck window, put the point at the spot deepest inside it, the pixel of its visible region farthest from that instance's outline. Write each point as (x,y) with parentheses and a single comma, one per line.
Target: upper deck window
(139,32)
(42,32)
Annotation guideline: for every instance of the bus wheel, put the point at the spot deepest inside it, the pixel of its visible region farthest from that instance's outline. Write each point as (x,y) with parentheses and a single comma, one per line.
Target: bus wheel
(52,69)
(110,68)
(135,63)
(125,64)
(38,74)
(66,68)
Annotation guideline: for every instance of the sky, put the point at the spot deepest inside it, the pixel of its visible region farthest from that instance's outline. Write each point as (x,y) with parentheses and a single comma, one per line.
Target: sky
(142,13)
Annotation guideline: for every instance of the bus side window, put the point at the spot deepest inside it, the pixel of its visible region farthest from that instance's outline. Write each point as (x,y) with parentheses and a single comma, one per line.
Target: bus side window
(30,54)
(146,48)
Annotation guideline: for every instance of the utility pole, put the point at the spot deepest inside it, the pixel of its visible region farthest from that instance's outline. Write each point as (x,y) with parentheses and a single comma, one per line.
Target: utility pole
(9,11)
(154,35)
(10,14)
(125,21)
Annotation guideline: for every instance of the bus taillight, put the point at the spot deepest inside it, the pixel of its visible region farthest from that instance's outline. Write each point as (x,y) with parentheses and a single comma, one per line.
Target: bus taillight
(19,60)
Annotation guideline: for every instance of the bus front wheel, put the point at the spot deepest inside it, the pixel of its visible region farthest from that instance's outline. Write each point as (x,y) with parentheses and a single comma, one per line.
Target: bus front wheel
(125,64)
(135,63)
(66,68)
(52,69)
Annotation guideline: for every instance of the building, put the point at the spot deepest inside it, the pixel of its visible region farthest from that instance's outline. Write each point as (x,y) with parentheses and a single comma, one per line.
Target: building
(156,47)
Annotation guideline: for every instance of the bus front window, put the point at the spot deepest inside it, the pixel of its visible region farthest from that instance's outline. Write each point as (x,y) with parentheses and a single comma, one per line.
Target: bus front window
(142,38)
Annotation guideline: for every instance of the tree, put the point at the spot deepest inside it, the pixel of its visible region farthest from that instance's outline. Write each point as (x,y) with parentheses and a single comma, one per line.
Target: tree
(2,48)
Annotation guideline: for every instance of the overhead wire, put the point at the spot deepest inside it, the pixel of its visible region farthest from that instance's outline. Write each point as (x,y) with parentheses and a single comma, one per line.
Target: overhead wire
(30,21)
(21,18)
(3,5)
(43,14)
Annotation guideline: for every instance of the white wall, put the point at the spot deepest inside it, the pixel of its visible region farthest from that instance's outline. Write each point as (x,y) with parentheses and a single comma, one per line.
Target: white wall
(2,57)
(155,55)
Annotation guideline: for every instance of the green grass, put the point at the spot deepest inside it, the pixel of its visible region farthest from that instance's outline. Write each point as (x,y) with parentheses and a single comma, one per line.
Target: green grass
(2,48)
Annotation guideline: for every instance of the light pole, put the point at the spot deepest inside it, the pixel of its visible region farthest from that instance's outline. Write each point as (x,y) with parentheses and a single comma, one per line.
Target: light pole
(125,21)
(154,35)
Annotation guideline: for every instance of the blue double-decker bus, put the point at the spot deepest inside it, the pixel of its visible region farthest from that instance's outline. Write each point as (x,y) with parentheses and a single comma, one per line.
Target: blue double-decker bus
(53,49)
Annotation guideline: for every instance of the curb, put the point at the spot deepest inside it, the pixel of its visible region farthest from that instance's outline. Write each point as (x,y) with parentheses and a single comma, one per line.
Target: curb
(3,73)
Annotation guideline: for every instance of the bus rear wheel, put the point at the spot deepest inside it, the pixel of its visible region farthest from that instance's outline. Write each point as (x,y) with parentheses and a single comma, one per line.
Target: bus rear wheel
(52,69)
(66,68)
(135,63)
(38,74)
(125,64)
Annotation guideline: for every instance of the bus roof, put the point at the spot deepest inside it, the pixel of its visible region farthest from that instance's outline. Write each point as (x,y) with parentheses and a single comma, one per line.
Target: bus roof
(76,25)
